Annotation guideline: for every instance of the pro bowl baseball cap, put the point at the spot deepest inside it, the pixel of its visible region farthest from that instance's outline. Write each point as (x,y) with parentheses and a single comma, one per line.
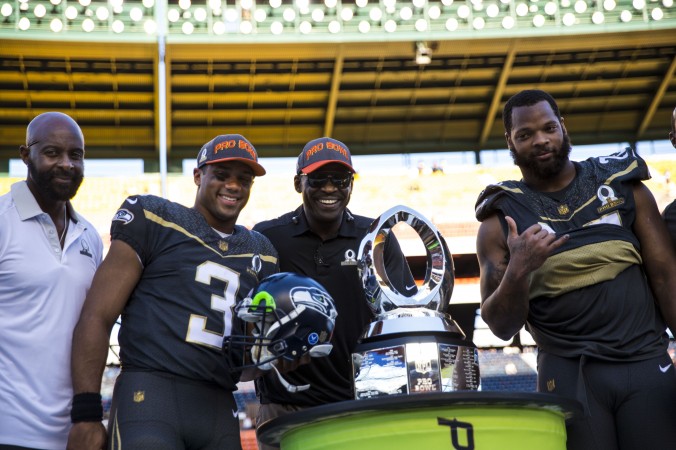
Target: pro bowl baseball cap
(322,151)
(230,147)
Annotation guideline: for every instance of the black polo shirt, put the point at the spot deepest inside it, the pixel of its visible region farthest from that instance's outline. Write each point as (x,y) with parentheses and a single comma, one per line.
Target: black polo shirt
(333,264)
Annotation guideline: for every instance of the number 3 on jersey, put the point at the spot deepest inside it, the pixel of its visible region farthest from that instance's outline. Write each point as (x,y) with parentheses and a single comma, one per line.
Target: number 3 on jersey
(197,327)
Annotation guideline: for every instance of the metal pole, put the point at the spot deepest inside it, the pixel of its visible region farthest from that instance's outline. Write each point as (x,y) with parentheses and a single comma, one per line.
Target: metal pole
(161,20)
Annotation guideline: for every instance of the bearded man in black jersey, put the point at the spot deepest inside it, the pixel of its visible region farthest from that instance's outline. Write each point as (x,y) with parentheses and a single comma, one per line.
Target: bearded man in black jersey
(174,273)
(669,212)
(577,252)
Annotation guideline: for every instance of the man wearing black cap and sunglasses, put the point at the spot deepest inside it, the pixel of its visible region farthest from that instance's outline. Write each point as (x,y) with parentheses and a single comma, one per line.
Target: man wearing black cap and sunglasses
(174,273)
(321,239)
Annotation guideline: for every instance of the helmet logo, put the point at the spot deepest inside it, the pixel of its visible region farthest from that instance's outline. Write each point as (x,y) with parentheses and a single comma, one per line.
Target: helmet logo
(313,298)
(313,338)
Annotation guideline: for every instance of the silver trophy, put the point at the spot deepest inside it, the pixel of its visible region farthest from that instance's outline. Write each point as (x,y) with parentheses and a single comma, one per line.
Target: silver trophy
(413,345)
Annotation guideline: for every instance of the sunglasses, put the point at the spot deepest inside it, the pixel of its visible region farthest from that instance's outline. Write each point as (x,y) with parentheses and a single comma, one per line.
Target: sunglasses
(341,180)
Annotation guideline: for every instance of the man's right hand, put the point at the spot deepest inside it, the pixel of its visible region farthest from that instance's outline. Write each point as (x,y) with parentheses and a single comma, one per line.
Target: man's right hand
(87,436)
(530,249)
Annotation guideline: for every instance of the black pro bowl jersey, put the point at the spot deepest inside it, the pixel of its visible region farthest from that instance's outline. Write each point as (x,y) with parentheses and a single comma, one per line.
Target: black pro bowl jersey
(182,306)
(591,295)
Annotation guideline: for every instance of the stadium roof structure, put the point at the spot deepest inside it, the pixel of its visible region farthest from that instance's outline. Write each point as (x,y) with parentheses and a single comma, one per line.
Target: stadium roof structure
(384,76)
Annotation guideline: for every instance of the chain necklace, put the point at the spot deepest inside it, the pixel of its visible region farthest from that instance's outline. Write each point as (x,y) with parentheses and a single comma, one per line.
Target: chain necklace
(65,226)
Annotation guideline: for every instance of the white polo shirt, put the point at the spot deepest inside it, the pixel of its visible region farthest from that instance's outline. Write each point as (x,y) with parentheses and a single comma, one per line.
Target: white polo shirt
(41,293)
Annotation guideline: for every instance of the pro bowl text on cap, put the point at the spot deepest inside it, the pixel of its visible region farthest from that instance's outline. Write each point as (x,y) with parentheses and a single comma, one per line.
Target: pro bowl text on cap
(230,147)
(322,151)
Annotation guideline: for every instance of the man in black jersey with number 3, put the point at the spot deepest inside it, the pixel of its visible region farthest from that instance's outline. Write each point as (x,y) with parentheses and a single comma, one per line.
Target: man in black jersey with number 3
(174,273)
(577,251)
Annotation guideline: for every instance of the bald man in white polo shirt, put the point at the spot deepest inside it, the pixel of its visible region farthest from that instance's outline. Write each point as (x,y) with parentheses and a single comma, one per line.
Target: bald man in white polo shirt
(48,256)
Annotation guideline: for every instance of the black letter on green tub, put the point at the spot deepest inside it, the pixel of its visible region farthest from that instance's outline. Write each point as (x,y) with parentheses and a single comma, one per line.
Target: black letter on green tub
(454,425)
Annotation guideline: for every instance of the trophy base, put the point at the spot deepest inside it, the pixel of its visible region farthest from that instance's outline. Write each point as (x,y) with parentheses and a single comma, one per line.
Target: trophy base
(413,364)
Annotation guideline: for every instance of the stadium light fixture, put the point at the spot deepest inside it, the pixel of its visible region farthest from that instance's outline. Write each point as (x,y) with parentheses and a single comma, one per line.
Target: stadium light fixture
(218,27)
(150,26)
(39,11)
(71,13)
(136,14)
(522,10)
(56,25)
(200,14)
(289,14)
(334,27)
(260,15)
(508,22)
(102,13)
(492,10)
(346,14)
(598,18)
(551,8)
(421,25)
(88,25)
(118,26)
(305,27)
(246,27)
(464,11)
(569,19)
(538,20)
(276,28)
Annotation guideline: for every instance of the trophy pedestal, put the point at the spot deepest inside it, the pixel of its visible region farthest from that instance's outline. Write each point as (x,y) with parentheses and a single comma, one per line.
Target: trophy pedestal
(413,351)
(456,420)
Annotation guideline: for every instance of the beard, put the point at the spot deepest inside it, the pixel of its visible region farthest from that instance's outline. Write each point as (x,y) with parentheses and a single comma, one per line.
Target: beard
(547,169)
(55,191)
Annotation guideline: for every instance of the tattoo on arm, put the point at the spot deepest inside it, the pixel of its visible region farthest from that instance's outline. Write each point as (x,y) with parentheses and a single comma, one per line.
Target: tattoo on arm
(495,273)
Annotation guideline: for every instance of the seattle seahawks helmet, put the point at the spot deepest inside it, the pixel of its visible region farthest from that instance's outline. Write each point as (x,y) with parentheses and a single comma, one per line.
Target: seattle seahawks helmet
(289,315)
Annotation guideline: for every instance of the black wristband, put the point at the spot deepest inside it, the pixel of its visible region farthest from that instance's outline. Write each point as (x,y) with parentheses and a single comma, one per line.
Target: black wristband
(87,407)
